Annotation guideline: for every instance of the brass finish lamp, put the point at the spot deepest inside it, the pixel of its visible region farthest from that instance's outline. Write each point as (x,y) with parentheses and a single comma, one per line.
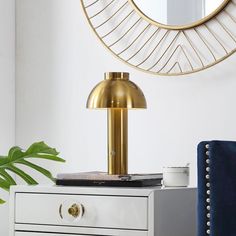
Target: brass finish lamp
(118,94)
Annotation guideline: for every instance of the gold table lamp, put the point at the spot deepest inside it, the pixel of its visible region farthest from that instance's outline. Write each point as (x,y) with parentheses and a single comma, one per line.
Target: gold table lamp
(118,94)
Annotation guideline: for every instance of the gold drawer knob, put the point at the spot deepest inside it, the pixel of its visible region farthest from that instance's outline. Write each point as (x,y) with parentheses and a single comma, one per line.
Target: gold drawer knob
(71,211)
(74,210)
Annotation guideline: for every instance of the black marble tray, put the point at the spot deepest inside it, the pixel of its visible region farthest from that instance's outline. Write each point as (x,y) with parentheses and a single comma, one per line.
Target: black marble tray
(110,183)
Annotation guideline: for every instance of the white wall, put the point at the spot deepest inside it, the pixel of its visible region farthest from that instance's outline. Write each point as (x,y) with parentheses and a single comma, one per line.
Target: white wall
(7,91)
(212,5)
(59,60)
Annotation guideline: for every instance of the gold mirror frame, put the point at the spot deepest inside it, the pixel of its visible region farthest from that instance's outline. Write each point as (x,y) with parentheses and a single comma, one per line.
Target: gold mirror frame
(160,49)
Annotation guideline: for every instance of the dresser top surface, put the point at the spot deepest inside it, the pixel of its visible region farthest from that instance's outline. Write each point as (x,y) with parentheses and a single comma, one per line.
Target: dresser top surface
(144,191)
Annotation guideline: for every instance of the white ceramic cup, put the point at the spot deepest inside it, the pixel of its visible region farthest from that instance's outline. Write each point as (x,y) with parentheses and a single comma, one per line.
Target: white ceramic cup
(176,176)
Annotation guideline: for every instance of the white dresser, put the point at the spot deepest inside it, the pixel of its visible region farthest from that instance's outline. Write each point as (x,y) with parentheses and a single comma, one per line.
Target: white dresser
(76,211)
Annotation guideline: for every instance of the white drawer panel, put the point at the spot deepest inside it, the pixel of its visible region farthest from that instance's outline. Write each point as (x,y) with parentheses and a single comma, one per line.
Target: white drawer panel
(100,211)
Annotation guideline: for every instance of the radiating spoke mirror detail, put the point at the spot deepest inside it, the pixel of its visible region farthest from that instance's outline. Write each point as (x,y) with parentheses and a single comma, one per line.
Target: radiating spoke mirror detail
(158,49)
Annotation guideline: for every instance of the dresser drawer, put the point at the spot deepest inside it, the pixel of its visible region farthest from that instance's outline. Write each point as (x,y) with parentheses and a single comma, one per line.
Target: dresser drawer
(118,212)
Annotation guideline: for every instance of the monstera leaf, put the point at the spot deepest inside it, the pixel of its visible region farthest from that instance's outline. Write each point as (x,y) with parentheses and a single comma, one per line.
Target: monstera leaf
(16,155)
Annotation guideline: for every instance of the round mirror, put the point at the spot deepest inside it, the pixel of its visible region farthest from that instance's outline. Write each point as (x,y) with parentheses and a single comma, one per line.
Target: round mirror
(179,13)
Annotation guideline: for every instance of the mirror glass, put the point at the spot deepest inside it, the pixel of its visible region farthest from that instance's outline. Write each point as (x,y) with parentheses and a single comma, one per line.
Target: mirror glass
(177,12)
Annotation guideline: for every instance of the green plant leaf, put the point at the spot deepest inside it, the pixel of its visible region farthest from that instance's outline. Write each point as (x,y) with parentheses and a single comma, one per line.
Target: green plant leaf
(3,160)
(7,177)
(41,147)
(28,179)
(2,201)
(4,184)
(48,157)
(17,155)
(38,168)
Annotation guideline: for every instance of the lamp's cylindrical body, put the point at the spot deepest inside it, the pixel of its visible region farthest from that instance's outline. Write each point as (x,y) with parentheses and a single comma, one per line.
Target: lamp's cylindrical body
(118,94)
(117,141)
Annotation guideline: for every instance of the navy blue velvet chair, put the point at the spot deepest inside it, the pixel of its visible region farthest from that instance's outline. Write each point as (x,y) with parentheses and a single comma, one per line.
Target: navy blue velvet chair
(217,188)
